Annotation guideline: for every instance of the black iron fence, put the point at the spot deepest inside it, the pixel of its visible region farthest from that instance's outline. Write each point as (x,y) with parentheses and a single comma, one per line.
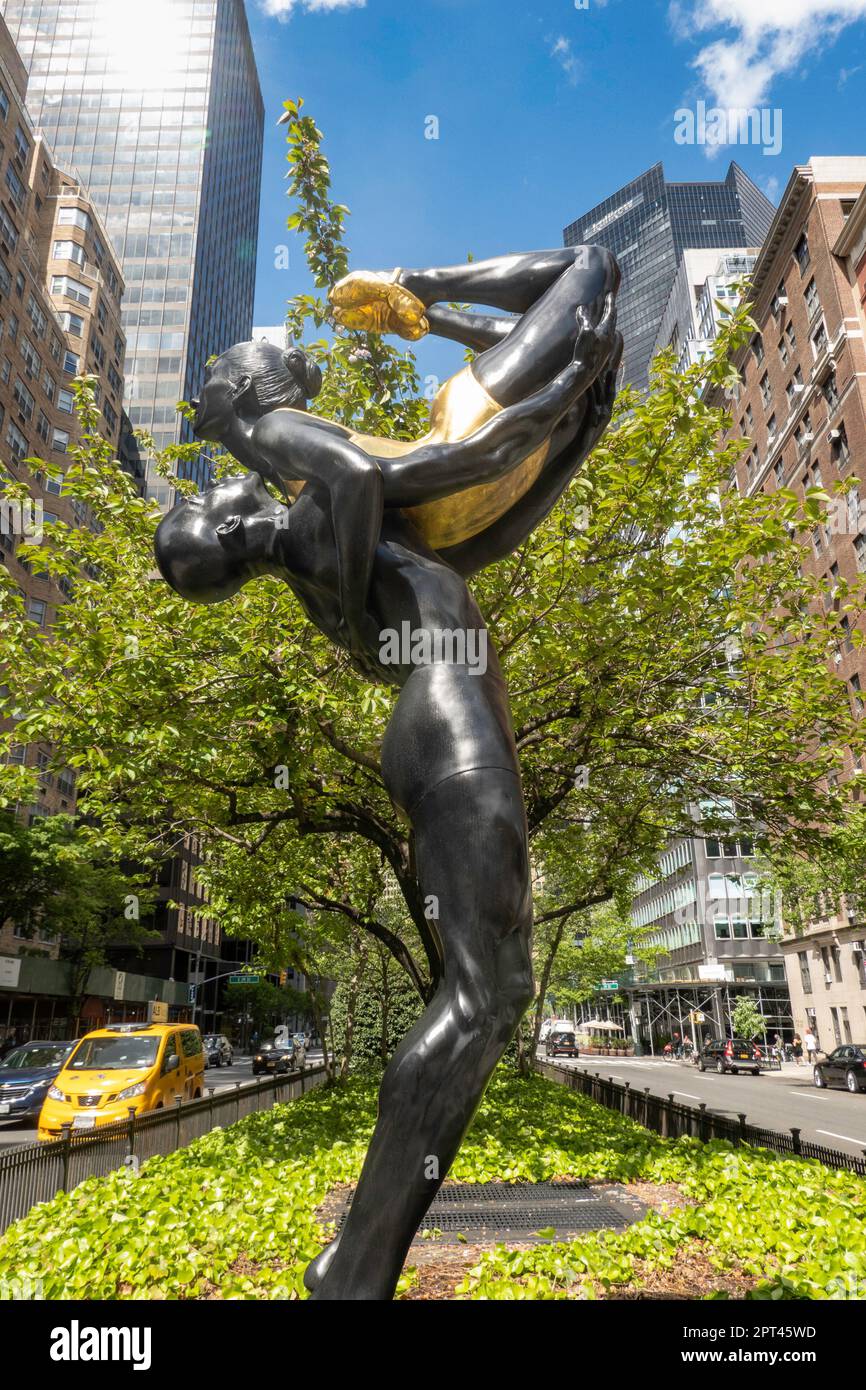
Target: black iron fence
(37,1172)
(672,1119)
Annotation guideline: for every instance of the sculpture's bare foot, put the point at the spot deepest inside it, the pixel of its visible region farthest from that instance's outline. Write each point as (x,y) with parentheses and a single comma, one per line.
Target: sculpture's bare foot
(316,1269)
(374,302)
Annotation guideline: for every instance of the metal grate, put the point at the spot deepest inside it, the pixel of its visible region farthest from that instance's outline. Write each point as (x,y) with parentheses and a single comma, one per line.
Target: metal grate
(494,1210)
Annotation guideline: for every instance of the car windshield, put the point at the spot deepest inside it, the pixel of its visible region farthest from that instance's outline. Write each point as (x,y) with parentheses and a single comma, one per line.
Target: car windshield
(115,1054)
(211,1041)
(38,1055)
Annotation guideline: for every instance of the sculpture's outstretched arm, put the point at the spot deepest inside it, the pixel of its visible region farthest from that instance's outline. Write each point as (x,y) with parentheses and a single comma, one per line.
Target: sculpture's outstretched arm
(518,523)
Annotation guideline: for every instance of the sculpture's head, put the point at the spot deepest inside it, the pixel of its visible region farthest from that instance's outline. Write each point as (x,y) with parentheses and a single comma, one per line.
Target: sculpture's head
(248,381)
(209,546)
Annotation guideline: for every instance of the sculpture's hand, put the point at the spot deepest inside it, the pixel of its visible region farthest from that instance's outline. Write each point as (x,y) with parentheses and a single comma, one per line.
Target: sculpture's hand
(373,302)
(595,343)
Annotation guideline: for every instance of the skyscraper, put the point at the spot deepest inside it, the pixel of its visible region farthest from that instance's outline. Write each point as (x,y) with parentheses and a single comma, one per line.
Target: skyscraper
(158,108)
(648,225)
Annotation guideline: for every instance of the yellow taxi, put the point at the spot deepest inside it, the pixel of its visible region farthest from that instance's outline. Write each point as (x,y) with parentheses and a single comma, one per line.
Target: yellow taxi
(127,1066)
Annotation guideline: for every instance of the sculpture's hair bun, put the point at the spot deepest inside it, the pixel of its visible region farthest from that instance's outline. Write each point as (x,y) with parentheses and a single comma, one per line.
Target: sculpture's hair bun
(306,372)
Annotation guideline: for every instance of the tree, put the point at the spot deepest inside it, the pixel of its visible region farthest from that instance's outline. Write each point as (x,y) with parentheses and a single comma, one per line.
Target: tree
(53,881)
(747,1020)
(662,650)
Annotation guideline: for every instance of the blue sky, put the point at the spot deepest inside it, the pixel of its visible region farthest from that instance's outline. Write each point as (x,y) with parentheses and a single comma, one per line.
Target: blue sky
(543,109)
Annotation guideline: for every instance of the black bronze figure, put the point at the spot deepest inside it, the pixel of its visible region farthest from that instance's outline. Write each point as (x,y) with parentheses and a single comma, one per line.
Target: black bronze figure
(378,539)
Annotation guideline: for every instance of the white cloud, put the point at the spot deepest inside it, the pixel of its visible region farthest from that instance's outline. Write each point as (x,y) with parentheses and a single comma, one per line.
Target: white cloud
(283,9)
(562,51)
(770,38)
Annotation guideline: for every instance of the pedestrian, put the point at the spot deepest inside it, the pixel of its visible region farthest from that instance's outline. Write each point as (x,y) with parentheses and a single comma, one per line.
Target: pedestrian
(777,1046)
(811,1043)
(797,1044)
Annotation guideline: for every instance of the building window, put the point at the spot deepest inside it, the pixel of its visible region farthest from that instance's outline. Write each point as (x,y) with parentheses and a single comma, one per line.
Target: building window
(4,102)
(805,972)
(37,611)
(840,450)
(71,362)
(73,323)
(766,393)
(72,289)
(813,301)
(801,251)
(24,399)
(860,552)
(830,391)
(66,401)
(74,217)
(60,441)
(16,441)
(69,251)
(820,341)
(16,188)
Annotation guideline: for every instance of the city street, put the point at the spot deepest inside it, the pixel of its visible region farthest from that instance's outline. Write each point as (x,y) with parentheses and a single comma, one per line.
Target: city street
(773,1100)
(216,1078)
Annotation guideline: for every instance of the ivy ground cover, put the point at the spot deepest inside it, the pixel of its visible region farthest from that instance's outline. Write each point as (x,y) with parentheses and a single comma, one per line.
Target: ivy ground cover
(234,1214)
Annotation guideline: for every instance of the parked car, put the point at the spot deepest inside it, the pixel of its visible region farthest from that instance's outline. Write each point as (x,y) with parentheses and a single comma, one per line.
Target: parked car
(126,1066)
(846,1066)
(25,1075)
(276,1056)
(730,1054)
(561,1042)
(217,1050)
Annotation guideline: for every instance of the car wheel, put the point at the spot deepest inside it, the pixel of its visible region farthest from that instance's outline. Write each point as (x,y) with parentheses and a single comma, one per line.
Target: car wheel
(852,1081)
(231,1060)
(756,1072)
(701,1066)
(818,1078)
(720,1067)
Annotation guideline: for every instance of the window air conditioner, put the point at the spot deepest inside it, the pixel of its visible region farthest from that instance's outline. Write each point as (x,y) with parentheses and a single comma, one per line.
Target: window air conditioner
(834,435)
(828,977)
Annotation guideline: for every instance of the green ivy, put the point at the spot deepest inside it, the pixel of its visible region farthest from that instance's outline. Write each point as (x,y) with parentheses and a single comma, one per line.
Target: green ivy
(236,1210)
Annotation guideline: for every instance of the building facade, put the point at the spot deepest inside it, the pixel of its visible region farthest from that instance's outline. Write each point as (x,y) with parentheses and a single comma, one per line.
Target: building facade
(802,406)
(60,291)
(649,224)
(158,108)
(705,281)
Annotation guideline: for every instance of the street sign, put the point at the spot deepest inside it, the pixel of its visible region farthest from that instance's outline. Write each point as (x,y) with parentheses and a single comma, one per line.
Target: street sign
(245,979)
(191,993)
(609,984)
(119,983)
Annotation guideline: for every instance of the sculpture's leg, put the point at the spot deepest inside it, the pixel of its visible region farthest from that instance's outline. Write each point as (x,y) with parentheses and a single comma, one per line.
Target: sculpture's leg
(472,858)
(548,288)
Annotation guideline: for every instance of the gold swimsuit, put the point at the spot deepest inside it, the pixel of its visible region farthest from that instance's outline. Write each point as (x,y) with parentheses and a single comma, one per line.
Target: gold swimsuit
(459,408)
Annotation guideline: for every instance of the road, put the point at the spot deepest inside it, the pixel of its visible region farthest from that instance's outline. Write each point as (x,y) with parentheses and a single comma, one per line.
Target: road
(773,1100)
(216,1078)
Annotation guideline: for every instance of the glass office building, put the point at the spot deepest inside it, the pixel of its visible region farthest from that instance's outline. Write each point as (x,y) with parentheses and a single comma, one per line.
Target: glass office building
(157,106)
(648,225)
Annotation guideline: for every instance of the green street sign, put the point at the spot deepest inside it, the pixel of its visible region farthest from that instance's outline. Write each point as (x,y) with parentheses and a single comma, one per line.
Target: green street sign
(245,979)
(609,984)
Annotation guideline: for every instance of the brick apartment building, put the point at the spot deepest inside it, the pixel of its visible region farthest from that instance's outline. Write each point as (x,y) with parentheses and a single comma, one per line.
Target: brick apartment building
(803,406)
(60,292)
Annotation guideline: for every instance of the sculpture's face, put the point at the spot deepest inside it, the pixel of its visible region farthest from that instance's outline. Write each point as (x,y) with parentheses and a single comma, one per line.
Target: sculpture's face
(215,407)
(209,546)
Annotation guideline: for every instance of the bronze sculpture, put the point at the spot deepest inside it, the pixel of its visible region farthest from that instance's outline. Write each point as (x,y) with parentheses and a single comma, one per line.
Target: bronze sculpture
(377,537)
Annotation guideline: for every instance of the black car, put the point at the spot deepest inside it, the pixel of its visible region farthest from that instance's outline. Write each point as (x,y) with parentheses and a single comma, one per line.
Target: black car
(25,1076)
(561,1043)
(844,1067)
(217,1050)
(730,1054)
(273,1056)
